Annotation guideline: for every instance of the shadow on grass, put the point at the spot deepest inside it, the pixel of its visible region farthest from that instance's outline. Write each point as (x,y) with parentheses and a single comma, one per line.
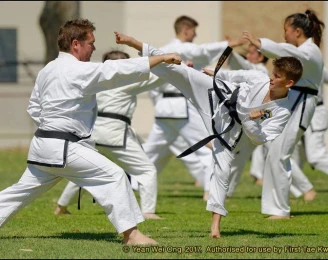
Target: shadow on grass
(300,213)
(243,232)
(111,237)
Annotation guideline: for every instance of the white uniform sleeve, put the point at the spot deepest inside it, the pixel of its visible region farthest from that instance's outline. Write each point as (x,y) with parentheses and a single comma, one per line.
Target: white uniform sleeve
(252,77)
(113,73)
(237,62)
(202,54)
(34,108)
(139,87)
(261,132)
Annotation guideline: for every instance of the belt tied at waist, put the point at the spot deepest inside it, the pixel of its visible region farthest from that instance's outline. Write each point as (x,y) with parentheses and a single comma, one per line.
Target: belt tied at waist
(115,116)
(58,135)
(306,90)
(172,94)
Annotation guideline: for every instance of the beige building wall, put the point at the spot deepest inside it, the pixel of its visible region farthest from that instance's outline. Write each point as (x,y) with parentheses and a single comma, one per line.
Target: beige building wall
(149,21)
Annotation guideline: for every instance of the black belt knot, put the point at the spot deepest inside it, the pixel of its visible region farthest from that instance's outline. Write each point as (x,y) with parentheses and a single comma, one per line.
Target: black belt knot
(115,116)
(58,135)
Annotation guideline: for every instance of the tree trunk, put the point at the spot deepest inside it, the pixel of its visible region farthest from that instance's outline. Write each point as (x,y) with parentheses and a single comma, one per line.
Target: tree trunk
(53,16)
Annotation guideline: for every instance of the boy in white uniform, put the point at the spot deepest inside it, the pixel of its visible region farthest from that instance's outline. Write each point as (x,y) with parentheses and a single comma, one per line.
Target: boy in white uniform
(63,105)
(253,107)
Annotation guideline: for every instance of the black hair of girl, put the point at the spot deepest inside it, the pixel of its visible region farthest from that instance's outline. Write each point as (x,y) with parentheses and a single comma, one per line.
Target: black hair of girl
(309,23)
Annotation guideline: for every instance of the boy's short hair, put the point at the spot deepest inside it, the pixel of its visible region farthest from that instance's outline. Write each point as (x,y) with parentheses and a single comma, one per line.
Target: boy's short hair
(115,55)
(184,20)
(291,66)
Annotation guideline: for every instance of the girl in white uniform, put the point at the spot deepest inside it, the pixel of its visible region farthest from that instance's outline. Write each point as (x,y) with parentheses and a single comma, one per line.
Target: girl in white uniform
(258,112)
(63,105)
(303,33)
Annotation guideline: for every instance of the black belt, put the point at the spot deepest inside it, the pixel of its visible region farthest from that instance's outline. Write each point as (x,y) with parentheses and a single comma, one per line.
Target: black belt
(172,94)
(306,90)
(59,135)
(115,116)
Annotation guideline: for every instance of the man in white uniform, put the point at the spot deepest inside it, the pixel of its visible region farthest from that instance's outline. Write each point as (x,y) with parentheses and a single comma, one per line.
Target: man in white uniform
(114,135)
(252,107)
(63,105)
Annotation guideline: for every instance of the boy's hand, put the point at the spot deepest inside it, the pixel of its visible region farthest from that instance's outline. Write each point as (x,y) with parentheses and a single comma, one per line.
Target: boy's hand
(255,114)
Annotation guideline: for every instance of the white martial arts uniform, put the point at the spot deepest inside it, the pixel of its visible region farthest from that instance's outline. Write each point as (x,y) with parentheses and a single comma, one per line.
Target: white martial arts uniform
(313,147)
(176,126)
(278,174)
(64,100)
(237,62)
(198,88)
(113,131)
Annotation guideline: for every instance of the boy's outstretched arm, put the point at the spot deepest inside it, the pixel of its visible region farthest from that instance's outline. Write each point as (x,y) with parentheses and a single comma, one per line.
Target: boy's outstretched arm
(170,58)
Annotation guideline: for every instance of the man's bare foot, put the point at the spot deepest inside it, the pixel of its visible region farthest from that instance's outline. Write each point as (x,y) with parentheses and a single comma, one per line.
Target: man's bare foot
(134,237)
(259,182)
(61,210)
(205,195)
(274,217)
(310,195)
(151,216)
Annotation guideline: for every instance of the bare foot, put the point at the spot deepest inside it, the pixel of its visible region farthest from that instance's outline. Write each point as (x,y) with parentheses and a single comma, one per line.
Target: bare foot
(151,216)
(215,227)
(310,195)
(274,217)
(134,237)
(61,210)
(259,182)
(205,195)
(197,184)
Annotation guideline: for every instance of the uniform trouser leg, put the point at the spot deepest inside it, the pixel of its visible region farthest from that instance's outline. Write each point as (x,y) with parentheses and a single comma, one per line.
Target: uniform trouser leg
(278,170)
(31,185)
(103,179)
(157,145)
(219,182)
(299,179)
(257,162)
(192,162)
(238,165)
(68,194)
(316,149)
(135,162)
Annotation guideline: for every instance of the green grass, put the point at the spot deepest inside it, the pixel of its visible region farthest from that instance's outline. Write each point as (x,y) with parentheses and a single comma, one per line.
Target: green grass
(36,233)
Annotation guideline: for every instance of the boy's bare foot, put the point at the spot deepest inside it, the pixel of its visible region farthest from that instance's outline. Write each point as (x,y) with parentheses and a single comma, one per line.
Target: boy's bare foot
(61,210)
(134,237)
(274,217)
(310,195)
(215,227)
(151,216)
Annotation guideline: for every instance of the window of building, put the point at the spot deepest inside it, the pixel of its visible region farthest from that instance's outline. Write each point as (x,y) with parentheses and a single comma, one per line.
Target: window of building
(8,55)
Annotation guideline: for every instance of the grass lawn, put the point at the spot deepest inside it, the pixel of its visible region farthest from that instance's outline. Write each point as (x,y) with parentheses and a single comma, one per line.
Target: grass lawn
(36,233)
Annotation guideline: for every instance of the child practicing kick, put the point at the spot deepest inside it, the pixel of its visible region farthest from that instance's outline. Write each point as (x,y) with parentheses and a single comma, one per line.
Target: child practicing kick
(234,105)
